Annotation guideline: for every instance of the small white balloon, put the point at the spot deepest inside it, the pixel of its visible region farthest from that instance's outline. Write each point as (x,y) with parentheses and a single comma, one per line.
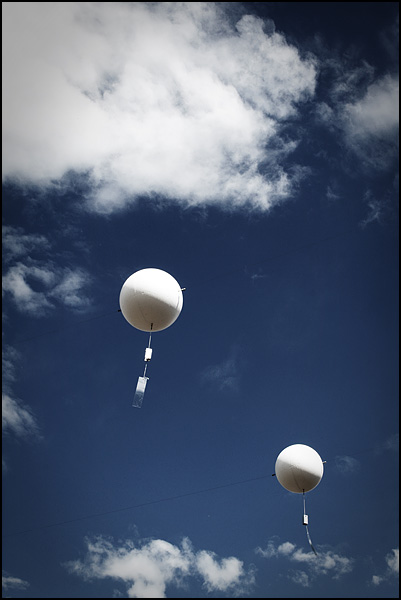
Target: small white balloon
(299,468)
(151,300)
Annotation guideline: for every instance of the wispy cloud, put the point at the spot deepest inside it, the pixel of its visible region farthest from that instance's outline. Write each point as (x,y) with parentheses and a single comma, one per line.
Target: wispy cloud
(346,464)
(360,107)
(147,569)
(10,358)
(393,568)
(18,419)
(17,243)
(332,193)
(12,583)
(326,563)
(224,375)
(390,444)
(169,99)
(377,208)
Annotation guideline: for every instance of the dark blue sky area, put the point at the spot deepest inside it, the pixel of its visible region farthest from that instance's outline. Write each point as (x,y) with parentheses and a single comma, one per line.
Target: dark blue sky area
(261,172)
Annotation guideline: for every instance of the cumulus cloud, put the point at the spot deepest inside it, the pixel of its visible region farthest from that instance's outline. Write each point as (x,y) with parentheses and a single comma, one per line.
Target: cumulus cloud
(18,419)
(393,568)
(326,563)
(147,570)
(221,575)
(273,549)
(148,99)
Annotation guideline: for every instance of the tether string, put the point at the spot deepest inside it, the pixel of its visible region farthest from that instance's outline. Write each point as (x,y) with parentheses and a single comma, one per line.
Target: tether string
(306,525)
(150,339)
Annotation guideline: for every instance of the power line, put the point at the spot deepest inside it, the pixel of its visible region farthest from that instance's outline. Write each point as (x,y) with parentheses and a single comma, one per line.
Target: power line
(141,505)
(160,500)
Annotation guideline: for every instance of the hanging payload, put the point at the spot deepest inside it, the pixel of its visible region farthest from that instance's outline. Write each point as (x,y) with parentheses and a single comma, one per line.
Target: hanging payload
(150,300)
(299,469)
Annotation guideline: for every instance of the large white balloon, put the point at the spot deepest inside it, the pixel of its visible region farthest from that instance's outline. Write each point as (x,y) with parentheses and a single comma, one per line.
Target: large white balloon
(299,468)
(151,300)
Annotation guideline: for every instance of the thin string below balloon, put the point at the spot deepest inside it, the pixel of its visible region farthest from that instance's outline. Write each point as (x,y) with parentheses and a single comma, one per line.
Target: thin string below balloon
(305,522)
(148,352)
(142,381)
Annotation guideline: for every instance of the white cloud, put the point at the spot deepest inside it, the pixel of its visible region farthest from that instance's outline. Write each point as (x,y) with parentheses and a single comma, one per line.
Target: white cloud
(150,98)
(286,548)
(14,283)
(219,575)
(325,563)
(18,419)
(393,561)
(393,568)
(36,287)
(10,357)
(359,107)
(33,281)
(269,551)
(272,549)
(15,583)
(300,578)
(69,289)
(17,243)
(371,124)
(147,570)
(377,113)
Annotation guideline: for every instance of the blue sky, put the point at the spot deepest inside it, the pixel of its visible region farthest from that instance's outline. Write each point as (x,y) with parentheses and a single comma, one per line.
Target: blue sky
(251,151)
